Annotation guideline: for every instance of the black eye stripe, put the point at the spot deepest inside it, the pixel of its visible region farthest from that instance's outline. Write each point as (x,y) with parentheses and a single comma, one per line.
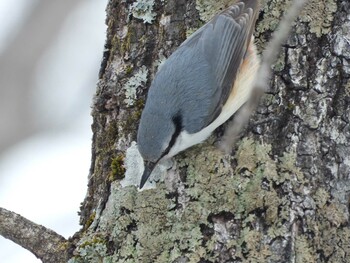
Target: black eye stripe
(177,120)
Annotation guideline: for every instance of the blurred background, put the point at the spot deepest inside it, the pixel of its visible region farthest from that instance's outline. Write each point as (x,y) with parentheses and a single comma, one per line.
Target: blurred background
(50,54)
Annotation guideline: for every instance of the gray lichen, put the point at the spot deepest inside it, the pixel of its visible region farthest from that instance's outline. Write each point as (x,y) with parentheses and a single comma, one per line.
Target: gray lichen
(162,235)
(208,8)
(342,40)
(143,9)
(317,13)
(130,87)
(149,227)
(274,195)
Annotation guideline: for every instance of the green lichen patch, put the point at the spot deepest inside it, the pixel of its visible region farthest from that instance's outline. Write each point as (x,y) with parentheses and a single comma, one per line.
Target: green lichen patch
(208,8)
(90,220)
(280,63)
(321,197)
(91,250)
(329,228)
(129,69)
(252,198)
(246,157)
(107,143)
(121,43)
(303,252)
(319,15)
(287,162)
(129,124)
(332,242)
(272,13)
(153,226)
(335,213)
(252,245)
(117,168)
(240,208)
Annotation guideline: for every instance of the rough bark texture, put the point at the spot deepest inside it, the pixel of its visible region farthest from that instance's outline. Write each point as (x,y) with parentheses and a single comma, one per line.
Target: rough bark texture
(44,243)
(283,196)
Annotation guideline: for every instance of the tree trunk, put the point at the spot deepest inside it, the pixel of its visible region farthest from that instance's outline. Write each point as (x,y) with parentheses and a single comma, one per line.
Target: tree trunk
(283,195)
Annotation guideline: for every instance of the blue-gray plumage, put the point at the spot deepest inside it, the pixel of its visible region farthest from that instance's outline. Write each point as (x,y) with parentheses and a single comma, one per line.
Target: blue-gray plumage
(196,84)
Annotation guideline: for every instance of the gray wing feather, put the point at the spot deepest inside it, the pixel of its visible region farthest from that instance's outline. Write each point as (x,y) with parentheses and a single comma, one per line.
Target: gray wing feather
(223,43)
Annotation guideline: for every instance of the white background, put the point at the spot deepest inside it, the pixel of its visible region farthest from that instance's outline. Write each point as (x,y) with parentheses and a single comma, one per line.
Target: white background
(44,177)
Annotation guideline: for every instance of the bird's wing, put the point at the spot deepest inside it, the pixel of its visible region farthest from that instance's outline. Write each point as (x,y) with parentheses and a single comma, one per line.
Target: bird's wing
(223,42)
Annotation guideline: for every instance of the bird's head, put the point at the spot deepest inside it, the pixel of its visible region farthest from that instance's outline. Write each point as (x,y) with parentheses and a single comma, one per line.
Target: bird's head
(156,136)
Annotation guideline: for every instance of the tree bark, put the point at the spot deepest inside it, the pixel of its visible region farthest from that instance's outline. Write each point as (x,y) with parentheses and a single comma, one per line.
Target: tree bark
(44,243)
(284,193)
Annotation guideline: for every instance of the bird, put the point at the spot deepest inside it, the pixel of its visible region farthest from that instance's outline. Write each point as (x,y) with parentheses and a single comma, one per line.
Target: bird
(200,86)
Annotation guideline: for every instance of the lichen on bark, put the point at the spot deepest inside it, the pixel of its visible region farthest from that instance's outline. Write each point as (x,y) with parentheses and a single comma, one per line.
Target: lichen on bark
(284,193)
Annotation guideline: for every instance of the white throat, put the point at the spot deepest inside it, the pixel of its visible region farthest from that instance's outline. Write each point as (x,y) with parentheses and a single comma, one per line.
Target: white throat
(186,140)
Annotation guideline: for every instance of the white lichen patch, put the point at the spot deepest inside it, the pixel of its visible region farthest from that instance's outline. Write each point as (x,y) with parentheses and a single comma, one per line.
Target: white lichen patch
(333,168)
(165,20)
(321,77)
(346,65)
(143,9)
(296,71)
(134,167)
(312,112)
(342,40)
(133,83)
(333,131)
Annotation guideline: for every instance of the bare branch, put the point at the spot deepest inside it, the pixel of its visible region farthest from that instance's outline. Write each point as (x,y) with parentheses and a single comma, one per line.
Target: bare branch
(44,243)
(263,77)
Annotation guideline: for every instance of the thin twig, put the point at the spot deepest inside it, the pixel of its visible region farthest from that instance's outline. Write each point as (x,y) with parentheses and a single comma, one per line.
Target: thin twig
(44,243)
(273,48)
(262,78)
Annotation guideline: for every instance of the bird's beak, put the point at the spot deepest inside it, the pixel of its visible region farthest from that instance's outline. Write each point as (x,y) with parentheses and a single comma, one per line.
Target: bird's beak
(149,166)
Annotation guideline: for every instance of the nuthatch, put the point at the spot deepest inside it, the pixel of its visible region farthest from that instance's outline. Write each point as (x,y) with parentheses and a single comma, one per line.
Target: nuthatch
(200,86)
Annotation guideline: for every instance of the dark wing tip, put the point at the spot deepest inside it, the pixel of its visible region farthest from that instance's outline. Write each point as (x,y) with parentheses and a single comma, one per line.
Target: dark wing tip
(253,4)
(243,7)
(225,44)
(250,7)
